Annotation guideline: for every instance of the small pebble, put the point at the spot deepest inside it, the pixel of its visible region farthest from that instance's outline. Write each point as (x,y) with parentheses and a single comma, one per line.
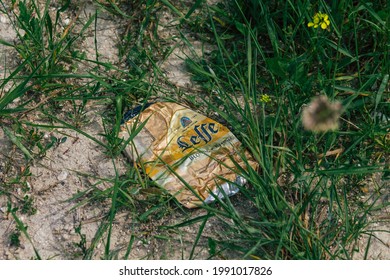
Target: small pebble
(63,175)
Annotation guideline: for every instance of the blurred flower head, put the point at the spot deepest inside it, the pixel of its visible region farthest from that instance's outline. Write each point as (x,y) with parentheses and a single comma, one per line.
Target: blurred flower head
(321,115)
(321,20)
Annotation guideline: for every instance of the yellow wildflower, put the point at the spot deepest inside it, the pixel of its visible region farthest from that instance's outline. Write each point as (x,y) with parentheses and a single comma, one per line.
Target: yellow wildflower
(265,98)
(320,19)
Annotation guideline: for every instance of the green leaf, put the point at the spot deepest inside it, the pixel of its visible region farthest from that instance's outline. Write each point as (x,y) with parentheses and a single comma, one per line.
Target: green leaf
(193,8)
(212,246)
(14,139)
(381,90)
(339,49)
(278,66)
(23,229)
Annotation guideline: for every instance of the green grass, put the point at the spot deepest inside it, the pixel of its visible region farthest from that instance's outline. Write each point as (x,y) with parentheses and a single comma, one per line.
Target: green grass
(292,64)
(259,47)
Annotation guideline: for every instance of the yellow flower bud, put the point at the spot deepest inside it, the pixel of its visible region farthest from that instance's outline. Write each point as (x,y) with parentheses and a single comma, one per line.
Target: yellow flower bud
(320,19)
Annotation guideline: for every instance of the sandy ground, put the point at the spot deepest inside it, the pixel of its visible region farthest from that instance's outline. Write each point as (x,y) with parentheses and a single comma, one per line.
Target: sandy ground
(58,176)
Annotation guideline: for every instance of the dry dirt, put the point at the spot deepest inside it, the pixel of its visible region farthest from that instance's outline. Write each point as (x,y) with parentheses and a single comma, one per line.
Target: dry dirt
(60,175)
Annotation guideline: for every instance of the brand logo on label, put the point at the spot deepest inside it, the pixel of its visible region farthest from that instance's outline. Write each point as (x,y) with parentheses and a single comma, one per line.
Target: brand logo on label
(203,133)
(185,121)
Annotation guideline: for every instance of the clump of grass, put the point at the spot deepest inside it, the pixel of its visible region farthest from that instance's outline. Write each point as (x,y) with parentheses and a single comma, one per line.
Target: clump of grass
(317,214)
(42,38)
(46,81)
(82,244)
(22,228)
(15,238)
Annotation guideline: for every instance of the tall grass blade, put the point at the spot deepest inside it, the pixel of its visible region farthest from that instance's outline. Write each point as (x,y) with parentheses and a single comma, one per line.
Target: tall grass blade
(14,139)
(23,229)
